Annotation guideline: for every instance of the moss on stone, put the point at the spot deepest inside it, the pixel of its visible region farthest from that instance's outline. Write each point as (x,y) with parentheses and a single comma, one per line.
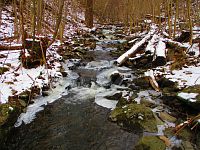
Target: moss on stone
(185,134)
(134,114)
(166,117)
(150,143)
(4,113)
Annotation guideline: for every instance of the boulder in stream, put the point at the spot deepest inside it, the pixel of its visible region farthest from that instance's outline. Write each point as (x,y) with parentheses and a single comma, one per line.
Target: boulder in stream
(134,117)
(150,143)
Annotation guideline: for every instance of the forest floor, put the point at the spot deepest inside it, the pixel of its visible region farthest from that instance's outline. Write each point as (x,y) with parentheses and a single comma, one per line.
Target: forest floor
(175,73)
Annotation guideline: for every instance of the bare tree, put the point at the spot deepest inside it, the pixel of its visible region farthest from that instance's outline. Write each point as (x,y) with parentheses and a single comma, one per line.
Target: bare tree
(176,17)
(1,7)
(189,19)
(89,13)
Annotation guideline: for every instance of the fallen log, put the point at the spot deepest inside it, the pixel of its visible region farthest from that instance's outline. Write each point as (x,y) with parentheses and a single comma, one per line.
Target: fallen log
(150,49)
(133,50)
(160,54)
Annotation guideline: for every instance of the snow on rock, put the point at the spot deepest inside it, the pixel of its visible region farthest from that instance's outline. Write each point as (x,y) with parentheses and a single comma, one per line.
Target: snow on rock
(185,77)
(147,94)
(188,96)
(102,101)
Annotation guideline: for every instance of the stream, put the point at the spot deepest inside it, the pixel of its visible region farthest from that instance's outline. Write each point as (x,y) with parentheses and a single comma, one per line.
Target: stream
(79,119)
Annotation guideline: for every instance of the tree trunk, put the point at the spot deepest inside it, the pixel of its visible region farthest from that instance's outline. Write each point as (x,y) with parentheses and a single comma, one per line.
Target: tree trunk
(169,17)
(89,13)
(1,7)
(58,21)
(176,17)
(190,20)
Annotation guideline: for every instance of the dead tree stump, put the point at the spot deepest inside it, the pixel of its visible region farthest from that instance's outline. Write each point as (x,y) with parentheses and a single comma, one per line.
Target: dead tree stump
(35,52)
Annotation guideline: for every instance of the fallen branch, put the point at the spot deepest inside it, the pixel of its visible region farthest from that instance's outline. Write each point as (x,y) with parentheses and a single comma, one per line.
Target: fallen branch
(149,74)
(181,126)
(10,47)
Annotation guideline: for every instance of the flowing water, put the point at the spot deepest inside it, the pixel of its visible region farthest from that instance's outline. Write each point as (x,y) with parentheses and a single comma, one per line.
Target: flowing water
(75,121)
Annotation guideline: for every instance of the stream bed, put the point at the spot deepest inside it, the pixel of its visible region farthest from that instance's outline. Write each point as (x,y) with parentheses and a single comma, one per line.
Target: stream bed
(75,121)
(77,114)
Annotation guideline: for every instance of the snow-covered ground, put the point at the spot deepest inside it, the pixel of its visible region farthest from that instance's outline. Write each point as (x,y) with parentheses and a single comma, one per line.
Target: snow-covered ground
(187,76)
(18,79)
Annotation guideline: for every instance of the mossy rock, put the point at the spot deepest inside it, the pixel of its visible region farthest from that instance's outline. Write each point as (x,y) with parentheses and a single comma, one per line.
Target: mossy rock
(166,117)
(150,143)
(122,102)
(187,145)
(185,134)
(142,82)
(3,69)
(4,113)
(169,132)
(147,102)
(135,115)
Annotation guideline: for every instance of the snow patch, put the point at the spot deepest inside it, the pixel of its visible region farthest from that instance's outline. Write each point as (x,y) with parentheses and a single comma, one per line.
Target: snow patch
(188,96)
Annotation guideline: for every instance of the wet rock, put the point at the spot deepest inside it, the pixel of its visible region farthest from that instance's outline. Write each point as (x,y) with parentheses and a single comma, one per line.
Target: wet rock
(184,37)
(133,87)
(143,62)
(178,105)
(45,87)
(166,117)
(116,78)
(45,93)
(4,113)
(159,61)
(115,96)
(147,103)
(132,115)
(64,73)
(164,82)
(150,143)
